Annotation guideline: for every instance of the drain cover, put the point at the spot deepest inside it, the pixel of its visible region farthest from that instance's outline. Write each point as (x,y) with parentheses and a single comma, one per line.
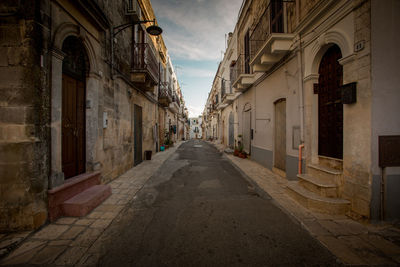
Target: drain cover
(198,145)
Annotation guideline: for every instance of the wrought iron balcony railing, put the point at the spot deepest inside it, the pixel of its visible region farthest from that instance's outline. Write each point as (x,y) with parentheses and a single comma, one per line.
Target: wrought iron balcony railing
(271,21)
(144,60)
(239,68)
(164,93)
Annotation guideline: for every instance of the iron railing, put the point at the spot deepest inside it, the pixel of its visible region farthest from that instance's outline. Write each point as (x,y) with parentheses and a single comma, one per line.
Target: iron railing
(164,92)
(239,68)
(144,59)
(271,21)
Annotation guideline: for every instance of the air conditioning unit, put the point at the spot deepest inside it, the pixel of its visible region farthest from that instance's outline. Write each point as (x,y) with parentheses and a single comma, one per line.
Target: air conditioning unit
(133,9)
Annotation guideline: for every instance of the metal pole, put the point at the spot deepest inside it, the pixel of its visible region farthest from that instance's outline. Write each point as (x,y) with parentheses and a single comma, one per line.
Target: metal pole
(112,51)
(383,198)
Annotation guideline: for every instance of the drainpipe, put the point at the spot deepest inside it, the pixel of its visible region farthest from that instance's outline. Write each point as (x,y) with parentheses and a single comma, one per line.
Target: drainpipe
(301,90)
(301,103)
(300,157)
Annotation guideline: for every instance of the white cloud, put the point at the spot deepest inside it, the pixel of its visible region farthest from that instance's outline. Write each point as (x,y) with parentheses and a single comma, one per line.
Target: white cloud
(195,29)
(195,111)
(197,72)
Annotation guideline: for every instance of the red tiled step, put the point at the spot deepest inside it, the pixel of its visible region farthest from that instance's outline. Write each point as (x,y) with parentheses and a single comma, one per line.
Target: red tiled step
(69,189)
(84,202)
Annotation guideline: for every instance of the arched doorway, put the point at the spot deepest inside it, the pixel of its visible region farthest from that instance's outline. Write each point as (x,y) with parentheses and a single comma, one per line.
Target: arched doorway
(74,72)
(330,107)
(231,130)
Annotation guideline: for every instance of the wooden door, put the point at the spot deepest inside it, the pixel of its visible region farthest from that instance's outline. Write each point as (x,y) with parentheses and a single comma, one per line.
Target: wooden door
(73,126)
(330,107)
(246,131)
(138,132)
(231,130)
(280,135)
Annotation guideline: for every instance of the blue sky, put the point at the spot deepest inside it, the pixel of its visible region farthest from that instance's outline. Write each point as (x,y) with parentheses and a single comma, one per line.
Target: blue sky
(194,33)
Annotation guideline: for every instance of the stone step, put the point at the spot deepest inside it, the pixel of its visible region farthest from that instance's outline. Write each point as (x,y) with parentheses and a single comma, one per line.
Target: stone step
(70,188)
(316,202)
(86,201)
(318,186)
(324,173)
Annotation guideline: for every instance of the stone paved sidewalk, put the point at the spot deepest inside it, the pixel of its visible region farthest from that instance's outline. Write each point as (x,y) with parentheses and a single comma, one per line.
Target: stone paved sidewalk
(354,243)
(66,241)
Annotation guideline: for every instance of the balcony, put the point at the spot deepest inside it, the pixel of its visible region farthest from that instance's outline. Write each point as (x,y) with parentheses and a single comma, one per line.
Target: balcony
(164,94)
(227,95)
(240,75)
(270,41)
(144,66)
(174,105)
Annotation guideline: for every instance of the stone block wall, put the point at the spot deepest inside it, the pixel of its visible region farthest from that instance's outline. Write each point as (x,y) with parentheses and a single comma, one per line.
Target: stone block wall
(357,117)
(24,114)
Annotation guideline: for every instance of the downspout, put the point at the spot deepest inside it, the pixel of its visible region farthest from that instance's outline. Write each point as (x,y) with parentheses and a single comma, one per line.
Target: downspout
(301,101)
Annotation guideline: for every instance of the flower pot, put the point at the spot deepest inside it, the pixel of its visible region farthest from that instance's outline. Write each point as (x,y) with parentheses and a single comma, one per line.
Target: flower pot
(236,152)
(242,155)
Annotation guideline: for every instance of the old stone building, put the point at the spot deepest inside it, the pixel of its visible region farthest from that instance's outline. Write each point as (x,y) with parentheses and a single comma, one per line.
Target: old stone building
(80,99)
(320,77)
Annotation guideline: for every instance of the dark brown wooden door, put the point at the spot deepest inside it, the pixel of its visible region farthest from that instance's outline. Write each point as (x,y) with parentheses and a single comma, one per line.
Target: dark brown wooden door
(73,126)
(330,107)
(138,132)
(280,135)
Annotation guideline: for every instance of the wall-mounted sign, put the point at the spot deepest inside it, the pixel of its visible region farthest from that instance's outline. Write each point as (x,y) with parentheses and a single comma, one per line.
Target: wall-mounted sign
(389,151)
(349,93)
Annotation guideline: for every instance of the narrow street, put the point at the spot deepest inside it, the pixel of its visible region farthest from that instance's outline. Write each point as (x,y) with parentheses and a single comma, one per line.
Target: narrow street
(198,210)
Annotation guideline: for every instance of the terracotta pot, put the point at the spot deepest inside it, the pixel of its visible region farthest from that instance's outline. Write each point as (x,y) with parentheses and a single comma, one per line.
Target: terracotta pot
(236,152)
(242,155)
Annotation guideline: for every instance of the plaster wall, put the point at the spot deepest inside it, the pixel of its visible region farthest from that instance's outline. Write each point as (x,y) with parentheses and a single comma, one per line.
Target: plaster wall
(283,83)
(385,73)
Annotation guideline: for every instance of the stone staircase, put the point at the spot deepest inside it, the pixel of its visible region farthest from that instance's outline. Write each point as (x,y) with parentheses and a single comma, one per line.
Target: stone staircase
(318,190)
(77,196)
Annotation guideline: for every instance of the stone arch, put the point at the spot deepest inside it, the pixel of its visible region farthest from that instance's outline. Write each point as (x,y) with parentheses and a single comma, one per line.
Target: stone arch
(322,44)
(69,29)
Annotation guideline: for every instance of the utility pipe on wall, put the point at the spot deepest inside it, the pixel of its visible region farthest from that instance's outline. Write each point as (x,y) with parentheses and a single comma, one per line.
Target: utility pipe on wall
(300,157)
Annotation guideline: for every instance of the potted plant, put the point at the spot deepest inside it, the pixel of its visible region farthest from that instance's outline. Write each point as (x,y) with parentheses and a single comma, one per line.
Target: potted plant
(236,151)
(243,155)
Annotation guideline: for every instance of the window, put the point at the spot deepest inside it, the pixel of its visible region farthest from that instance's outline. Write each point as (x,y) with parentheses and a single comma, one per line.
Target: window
(247,53)
(276,16)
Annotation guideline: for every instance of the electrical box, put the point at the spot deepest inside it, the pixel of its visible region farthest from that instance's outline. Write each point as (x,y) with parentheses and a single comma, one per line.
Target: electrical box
(105,120)
(349,93)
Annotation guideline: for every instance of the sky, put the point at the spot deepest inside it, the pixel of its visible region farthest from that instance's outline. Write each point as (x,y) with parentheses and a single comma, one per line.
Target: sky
(194,33)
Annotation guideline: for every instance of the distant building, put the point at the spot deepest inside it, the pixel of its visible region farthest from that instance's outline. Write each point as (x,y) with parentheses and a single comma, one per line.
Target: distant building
(195,128)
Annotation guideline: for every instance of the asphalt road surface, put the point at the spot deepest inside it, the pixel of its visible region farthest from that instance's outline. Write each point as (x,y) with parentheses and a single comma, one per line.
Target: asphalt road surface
(199,210)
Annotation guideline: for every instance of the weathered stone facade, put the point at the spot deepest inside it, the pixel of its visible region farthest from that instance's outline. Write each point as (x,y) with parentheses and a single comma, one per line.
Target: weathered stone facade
(32,102)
